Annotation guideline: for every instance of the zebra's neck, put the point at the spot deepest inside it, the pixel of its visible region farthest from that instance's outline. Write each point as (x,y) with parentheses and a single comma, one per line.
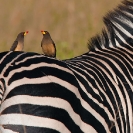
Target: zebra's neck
(119,29)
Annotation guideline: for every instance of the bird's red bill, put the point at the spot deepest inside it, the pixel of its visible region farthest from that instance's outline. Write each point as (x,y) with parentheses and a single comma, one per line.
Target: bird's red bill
(43,32)
(26,32)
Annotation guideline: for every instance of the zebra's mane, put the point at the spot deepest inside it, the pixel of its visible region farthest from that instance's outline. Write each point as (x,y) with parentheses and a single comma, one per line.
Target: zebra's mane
(102,40)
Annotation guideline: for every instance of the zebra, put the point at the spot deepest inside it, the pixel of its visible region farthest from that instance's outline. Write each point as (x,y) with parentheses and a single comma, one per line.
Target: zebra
(90,93)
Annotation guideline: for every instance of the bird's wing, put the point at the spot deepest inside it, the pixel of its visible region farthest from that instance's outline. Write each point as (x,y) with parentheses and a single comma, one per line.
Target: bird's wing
(55,48)
(41,42)
(14,46)
(54,44)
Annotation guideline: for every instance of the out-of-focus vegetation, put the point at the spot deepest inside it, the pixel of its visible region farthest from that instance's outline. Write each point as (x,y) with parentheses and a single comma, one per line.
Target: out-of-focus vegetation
(70,22)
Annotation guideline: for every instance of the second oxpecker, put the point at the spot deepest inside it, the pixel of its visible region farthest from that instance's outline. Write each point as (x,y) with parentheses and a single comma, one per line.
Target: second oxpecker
(18,44)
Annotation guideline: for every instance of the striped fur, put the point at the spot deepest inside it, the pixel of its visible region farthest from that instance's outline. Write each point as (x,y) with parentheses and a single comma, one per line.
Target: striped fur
(91,93)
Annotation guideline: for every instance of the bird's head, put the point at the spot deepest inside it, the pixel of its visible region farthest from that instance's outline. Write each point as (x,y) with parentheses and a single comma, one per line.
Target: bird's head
(26,32)
(22,34)
(45,32)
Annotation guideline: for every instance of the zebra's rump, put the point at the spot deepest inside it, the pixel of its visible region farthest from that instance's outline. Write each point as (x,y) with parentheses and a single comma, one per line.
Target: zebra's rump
(91,93)
(43,94)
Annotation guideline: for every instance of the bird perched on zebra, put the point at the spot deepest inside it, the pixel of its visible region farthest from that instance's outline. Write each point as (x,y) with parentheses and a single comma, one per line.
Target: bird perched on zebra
(18,44)
(48,45)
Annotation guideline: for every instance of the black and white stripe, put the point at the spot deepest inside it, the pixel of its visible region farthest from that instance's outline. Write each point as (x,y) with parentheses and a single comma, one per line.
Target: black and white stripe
(91,93)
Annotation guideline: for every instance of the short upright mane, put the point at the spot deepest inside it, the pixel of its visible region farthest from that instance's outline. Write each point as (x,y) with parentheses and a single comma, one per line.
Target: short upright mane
(124,12)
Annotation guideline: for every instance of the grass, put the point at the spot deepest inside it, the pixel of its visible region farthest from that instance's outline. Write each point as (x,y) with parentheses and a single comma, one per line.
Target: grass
(70,22)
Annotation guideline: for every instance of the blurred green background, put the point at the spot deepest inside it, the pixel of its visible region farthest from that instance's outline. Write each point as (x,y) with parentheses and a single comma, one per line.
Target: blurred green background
(70,22)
